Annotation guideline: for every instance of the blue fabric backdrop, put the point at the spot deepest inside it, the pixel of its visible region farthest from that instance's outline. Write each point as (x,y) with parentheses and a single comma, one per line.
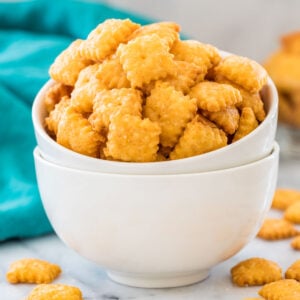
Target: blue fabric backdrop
(32,33)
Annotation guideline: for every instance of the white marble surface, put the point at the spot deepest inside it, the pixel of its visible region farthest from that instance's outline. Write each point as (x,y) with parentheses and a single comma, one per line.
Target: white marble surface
(94,283)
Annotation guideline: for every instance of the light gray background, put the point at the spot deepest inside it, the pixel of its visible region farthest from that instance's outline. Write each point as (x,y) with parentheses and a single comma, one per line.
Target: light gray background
(245,27)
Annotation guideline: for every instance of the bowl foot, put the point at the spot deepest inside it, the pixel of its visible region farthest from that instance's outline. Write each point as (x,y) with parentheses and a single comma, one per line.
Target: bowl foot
(158,280)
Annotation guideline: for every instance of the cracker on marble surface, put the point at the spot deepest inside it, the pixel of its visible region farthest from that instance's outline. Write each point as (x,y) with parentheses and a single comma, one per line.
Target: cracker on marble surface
(293,271)
(32,270)
(285,289)
(255,271)
(275,229)
(292,213)
(55,292)
(284,197)
(295,243)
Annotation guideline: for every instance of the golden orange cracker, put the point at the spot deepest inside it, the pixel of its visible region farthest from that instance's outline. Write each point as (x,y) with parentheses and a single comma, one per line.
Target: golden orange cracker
(284,69)
(55,292)
(247,123)
(87,74)
(32,270)
(83,96)
(55,93)
(68,64)
(146,58)
(167,31)
(109,102)
(285,289)
(290,42)
(293,271)
(56,114)
(243,71)
(255,271)
(292,213)
(252,100)
(111,74)
(76,133)
(131,138)
(213,96)
(285,197)
(295,243)
(187,75)
(200,136)
(275,229)
(227,119)
(171,110)
(106,37)
(202,55)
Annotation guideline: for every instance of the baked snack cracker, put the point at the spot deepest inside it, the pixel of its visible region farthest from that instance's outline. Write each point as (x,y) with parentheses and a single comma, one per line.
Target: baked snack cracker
(109,102)
(159,77)
(213,96)
(292,213)
(284,197)
(171,110)
(55,93)
(68,64)
(293,271)
(286,289)
(131,138)
(295,243)
(275,229)
(227,119)
(255,271)
(197,53)
(32,270)
(247,123)
(167,31)
(55,292)
(244,72)
(200,136)
(75,132)
(56,114)
(139,59)
(106,37)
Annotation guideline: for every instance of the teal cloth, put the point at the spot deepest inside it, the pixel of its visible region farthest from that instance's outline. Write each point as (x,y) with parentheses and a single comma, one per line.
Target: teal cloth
(32,33)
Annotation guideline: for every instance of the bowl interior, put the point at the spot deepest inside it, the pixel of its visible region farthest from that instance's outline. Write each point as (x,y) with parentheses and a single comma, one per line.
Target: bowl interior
(254,146)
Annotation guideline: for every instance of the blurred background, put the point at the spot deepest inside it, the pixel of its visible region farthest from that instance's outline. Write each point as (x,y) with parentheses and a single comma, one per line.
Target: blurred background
(245,27)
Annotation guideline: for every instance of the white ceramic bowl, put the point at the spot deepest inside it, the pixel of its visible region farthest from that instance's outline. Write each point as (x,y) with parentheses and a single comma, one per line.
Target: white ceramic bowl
(254,146)
(157,230)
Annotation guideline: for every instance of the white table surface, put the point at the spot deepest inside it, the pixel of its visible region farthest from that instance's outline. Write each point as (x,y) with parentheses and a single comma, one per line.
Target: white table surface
(94,283)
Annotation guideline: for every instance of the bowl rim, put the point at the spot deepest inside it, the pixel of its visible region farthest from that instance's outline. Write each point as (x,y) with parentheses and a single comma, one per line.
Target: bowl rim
(38,105)
(274,153)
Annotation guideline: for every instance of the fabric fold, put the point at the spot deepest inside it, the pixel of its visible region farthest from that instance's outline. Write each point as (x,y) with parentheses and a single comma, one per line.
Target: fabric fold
(32,34)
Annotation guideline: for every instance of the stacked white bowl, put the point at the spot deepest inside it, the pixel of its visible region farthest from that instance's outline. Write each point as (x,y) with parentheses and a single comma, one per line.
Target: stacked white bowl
(159,224)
